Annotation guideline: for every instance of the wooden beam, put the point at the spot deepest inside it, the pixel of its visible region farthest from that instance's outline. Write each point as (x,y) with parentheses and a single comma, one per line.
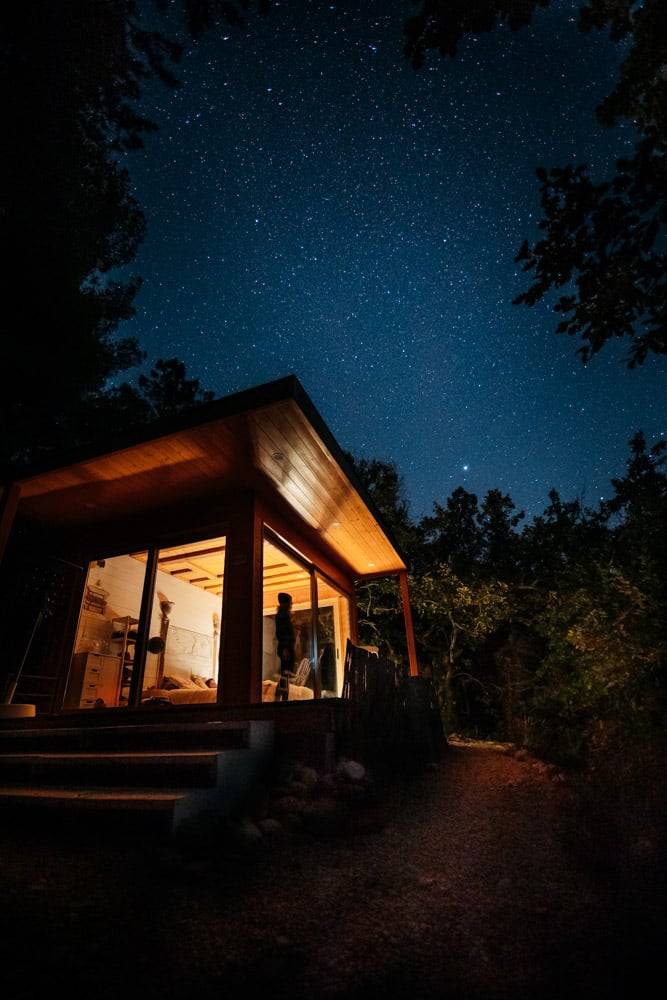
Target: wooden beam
(409,632)
(9,501)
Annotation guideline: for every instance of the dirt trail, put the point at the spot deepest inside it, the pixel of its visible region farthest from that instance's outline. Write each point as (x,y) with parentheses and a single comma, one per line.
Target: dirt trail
(464,891)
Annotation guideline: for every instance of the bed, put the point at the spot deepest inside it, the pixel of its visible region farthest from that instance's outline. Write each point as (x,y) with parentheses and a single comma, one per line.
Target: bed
(180,696)
(180,690)
(296,692)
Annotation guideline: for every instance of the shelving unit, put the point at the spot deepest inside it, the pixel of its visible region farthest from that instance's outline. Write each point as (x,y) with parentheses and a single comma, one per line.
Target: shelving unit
(94,682)
(123,640)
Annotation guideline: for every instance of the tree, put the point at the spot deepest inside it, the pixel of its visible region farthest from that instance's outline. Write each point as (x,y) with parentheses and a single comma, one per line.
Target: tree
(442,24)
(201,15)
(500,540)
(452,533)
(386,488)
(557,537)
(454,617)
(379,601)
(604,242)
(601,608)
(638,509)
(601,684)
(67,218)
(474,541)
(164,391)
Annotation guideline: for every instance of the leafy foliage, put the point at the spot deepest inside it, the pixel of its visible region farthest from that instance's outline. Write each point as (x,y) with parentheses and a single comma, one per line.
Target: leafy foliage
(607,239)
(386,489)
(453,617)
(69,221)
(442,24)
(585,588)
(551,634)
(474,540)
(68,218)
(600,681)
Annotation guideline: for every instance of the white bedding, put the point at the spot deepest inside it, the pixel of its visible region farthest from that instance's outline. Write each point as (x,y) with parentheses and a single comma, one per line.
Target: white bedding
(196,695)
(296,693)
(181,696)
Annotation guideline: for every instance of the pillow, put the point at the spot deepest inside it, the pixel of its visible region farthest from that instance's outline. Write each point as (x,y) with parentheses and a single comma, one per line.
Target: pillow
(172,683)
(199,681)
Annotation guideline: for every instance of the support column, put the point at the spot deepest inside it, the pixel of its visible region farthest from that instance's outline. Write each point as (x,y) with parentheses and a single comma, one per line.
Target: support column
(239,679)
(9,501)
(409,632)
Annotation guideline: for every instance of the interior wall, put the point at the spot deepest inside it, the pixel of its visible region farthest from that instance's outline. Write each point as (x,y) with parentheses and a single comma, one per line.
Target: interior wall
(190,638)
(120,580)
(191,646)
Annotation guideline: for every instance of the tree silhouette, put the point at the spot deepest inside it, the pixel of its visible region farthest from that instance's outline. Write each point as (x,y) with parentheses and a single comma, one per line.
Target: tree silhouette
(71,74)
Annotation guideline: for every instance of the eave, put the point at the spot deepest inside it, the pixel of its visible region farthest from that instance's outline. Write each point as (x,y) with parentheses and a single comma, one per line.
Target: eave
(269,439)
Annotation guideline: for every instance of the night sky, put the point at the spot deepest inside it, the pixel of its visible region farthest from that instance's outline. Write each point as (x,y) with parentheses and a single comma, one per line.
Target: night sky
(317,207)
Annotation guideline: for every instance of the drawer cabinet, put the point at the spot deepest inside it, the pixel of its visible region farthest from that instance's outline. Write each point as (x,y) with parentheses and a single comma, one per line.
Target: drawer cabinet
(94,681)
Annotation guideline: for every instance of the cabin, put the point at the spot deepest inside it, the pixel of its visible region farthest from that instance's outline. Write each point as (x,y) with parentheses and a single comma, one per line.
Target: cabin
(140,583)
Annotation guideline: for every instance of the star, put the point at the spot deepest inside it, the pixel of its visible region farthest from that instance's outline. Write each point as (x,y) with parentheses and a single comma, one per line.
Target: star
(316,207)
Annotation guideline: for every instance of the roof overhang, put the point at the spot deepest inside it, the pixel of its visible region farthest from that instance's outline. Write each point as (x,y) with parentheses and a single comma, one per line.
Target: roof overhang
(269,439)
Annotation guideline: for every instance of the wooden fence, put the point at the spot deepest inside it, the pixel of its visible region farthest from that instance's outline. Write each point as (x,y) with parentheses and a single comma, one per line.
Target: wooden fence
(389,720)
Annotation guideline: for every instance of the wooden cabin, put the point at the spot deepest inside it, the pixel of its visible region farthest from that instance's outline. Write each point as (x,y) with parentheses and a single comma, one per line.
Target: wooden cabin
(160,558)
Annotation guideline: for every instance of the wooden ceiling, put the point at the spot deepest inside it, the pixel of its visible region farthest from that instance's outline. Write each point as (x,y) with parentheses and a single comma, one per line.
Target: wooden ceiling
(202,564)
(269,439)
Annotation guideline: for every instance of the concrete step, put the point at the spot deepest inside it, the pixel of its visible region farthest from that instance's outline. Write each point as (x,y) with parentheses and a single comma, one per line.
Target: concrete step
(184,786)
(125,738)
(187,768)
(93,798)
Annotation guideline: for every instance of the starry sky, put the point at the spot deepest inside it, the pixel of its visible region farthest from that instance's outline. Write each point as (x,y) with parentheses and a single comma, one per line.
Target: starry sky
(317,207)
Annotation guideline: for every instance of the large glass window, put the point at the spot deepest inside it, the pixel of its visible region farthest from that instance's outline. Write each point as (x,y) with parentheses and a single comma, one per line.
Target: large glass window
(285,574)
(333,631)
(320,616)
(184,634)
(181,635)
(103,661)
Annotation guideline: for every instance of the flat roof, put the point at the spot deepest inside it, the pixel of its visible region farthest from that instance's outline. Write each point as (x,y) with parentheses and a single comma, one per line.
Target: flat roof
(269,439)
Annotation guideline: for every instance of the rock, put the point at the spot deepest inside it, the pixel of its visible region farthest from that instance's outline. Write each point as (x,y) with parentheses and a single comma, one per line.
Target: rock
(272,828)
(243,831)
(352,770)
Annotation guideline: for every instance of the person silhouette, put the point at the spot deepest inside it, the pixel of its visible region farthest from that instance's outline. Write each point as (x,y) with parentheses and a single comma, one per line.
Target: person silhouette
(285,641)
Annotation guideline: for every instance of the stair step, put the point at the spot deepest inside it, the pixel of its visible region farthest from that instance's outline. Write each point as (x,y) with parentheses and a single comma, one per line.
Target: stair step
(93,798)
(126,737)
(179,773)
(190,767)
(125,757)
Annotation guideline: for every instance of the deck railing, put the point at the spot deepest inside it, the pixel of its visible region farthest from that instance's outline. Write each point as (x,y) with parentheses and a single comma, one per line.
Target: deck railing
(389,719)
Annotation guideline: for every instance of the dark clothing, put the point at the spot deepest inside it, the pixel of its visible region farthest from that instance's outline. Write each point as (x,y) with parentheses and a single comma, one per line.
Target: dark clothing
(285,642)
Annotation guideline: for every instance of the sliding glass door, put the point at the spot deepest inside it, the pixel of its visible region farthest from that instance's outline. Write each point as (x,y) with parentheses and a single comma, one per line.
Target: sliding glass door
(149,628)
(320,618)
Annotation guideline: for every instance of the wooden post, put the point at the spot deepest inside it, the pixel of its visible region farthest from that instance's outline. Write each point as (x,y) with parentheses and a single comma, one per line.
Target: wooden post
(9,501)
(240,676)
(407,615)
(164,628)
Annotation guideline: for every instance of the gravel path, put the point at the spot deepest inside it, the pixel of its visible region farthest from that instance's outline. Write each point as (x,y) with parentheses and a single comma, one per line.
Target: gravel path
(460,888)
